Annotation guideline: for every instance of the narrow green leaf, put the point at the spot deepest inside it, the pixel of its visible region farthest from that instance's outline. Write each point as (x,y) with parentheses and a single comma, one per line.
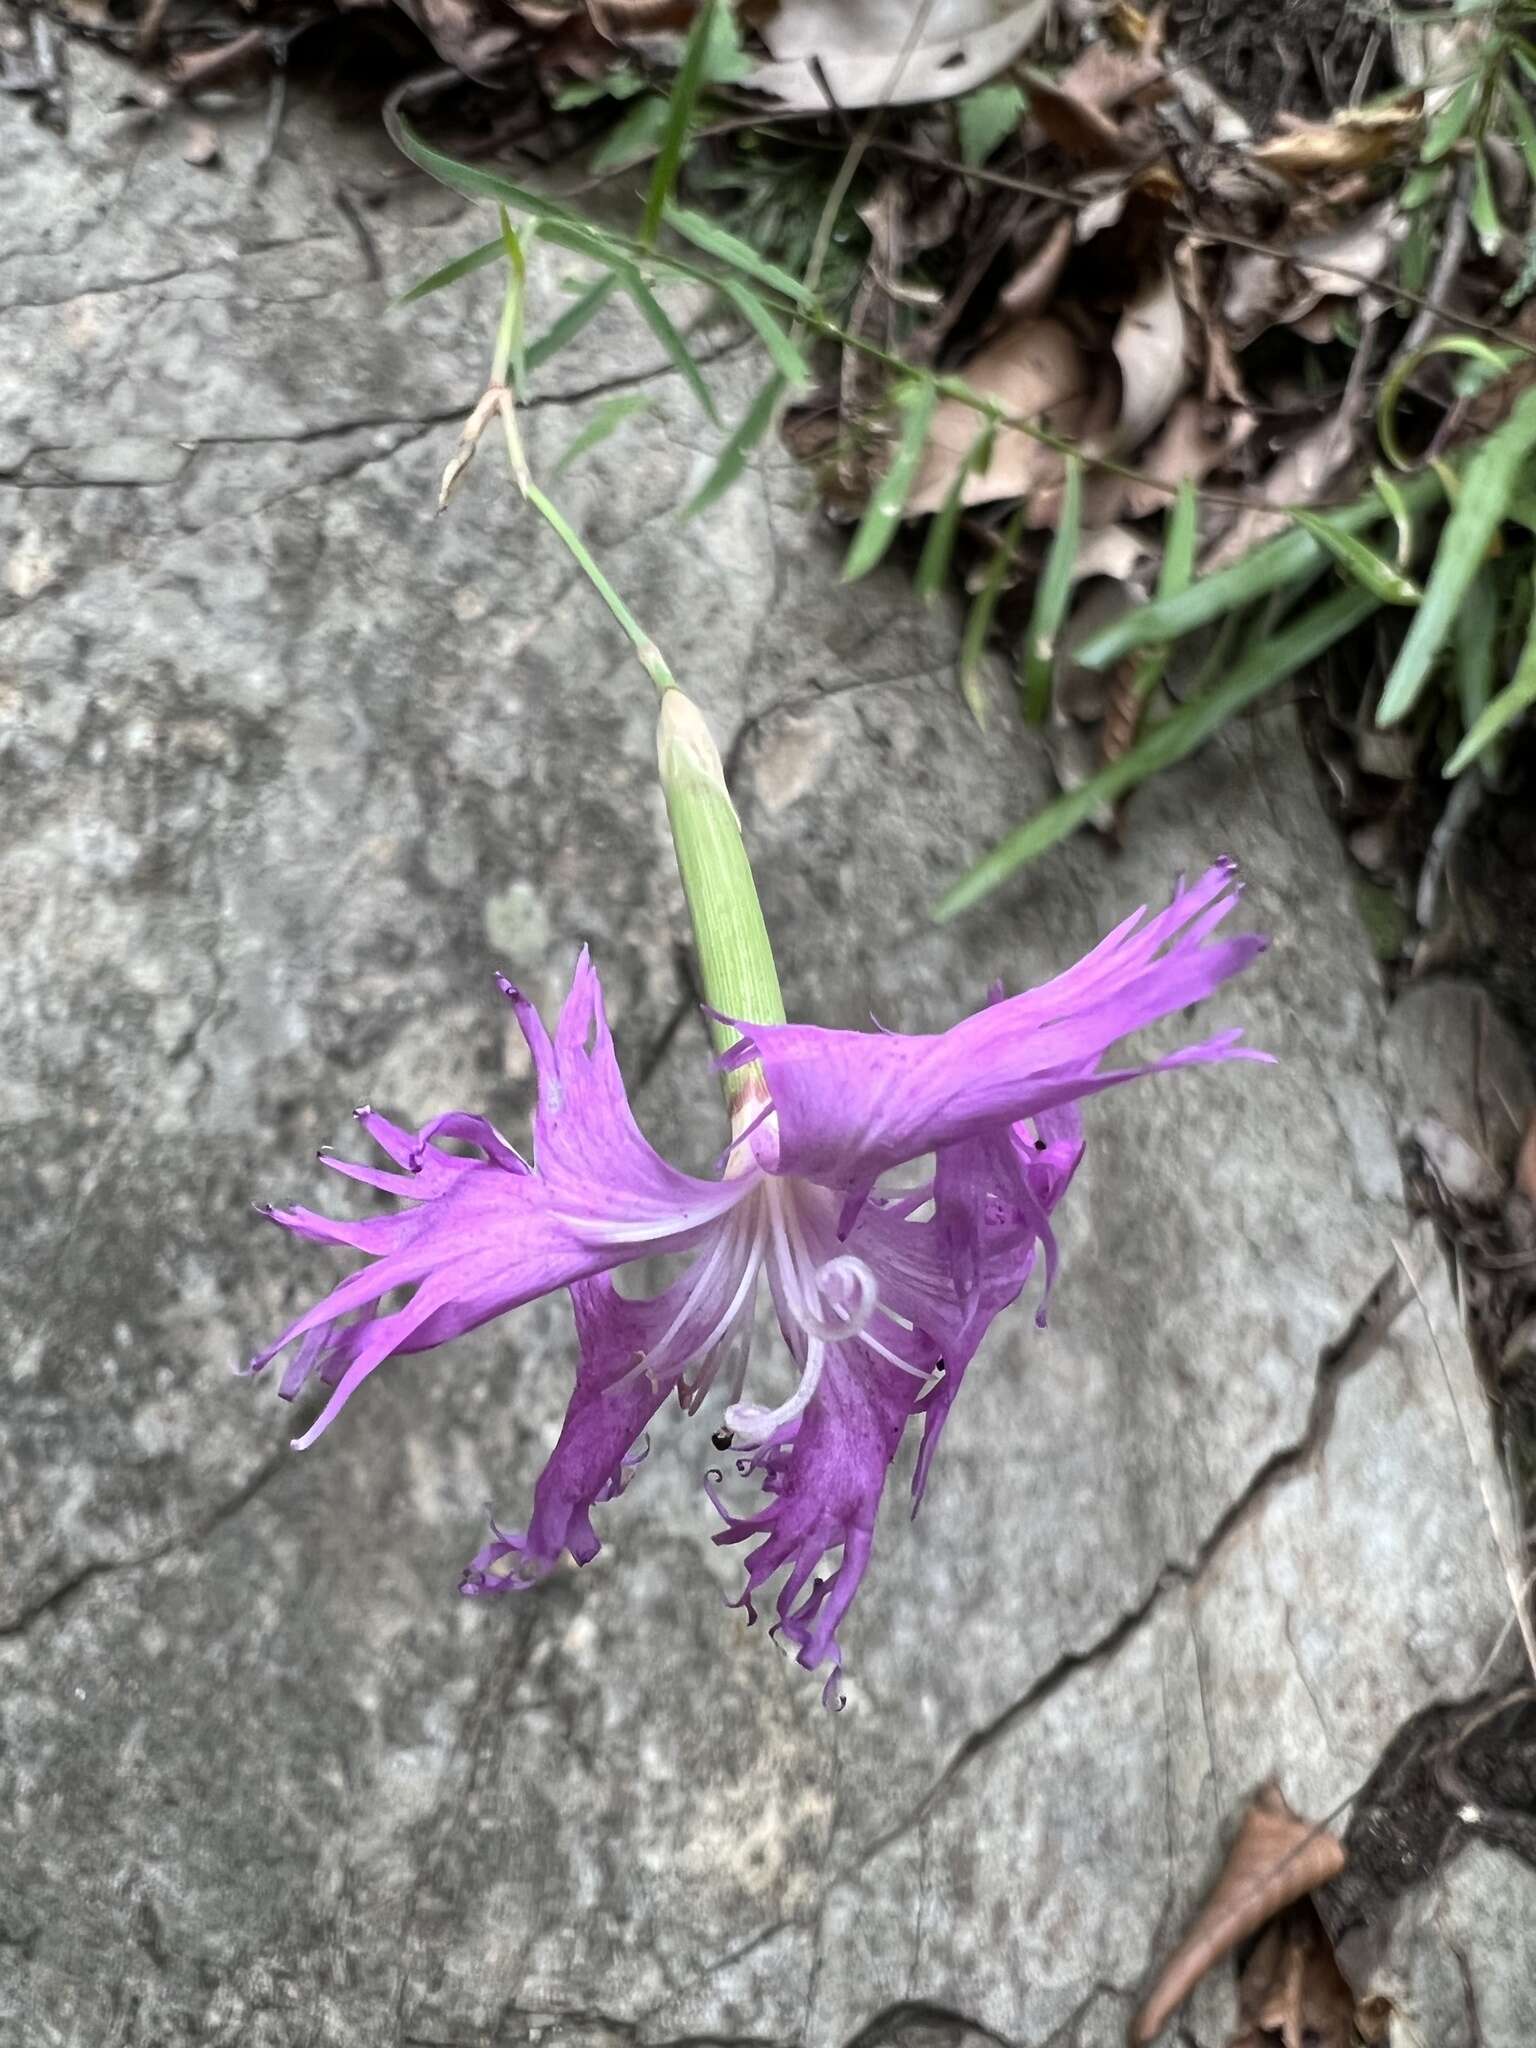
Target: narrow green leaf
(654,315)
(978,621)
(612,413)
(684,96)
(1474,643)
(787,359)
(571,322)
(1287,560)
(740,255)
(1495,360)
(939,545)
(582,240)
(1525,57)
(509,354)
(1484,210)
(1173,579)
(1051,594)
(1419,186)
(1487,486)
(621,84)
(754,423)
(986,118)
(1190,726)
(634,136)
(461,266)
(472,180)
(725,61)
(1520,290)
(1415,250)
(1360,562)
(1391,496)
(1449,125)
(877,529)
(1518,695)
(1524,125)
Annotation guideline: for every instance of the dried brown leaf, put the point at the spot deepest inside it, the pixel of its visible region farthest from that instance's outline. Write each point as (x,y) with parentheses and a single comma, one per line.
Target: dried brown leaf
(1149,347)
(1194,440)
(1222,381)
(1292,1986)
(1122,713)
(1353,140)
(1346,261)
(1276,1859)
(191,70)
(1028,292)
(1297,478)
(865,52)
(1105,77)
(1079,129)
(1034,369)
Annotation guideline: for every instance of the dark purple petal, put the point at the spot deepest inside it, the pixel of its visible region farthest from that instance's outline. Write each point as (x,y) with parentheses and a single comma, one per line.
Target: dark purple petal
(824,1475)
(609,1411)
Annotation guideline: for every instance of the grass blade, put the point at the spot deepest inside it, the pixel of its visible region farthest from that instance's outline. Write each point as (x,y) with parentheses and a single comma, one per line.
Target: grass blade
(978,622)
(754,423)
(1446,129)
(1278,562)
(1173,578)
(471,180)
(939,546)
(1518,695)
(461,266)
(1391,496)
(633,136)
(684,97)
(1267,664)
(1051,595)
(612,413)
(1474,643)
(882,515)
(1359,562)
(1487,485)
(740,255)
(571,322)
(652,312)
(510,354)
(1484,211)
(787,359)
(1494,361)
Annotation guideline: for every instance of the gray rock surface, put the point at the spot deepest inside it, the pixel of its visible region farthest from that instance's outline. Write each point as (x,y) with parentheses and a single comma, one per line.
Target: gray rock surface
(289,768)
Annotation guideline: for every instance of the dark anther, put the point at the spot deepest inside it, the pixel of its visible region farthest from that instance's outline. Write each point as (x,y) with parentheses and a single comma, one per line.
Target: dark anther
(723,1439)
(1039,1144)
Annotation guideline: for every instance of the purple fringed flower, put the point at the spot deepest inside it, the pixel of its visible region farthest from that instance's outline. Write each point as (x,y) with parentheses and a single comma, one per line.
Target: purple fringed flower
(882,1298)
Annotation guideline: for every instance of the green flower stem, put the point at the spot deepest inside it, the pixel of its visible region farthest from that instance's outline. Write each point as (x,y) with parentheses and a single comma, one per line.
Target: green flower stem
(650,655)
(735,958)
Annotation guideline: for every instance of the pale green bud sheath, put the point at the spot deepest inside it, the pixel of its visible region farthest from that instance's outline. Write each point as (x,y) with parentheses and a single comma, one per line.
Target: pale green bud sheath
(735,958)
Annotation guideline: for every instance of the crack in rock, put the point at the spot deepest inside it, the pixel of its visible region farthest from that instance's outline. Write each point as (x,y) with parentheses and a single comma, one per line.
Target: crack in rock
(106,1567)
(1345,1356)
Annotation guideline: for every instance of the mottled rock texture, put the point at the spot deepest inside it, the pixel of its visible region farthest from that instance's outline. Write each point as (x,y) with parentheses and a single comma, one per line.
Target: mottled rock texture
(289,769)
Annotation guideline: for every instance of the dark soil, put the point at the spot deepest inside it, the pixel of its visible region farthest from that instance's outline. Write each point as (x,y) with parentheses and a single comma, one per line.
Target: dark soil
(1409,1820)
(1299,55)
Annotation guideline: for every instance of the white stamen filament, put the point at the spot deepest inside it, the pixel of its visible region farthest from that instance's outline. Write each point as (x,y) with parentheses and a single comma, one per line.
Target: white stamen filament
(823,1300)
(755,1425)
